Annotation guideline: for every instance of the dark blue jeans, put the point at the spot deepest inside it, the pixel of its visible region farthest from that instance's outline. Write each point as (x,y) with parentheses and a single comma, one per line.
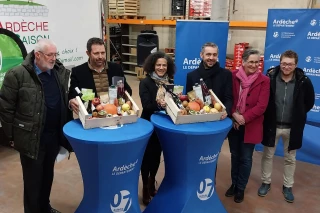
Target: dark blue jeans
(241,158)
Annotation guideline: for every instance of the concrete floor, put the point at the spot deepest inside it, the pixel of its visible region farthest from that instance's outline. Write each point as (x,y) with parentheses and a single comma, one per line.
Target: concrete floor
(67,190)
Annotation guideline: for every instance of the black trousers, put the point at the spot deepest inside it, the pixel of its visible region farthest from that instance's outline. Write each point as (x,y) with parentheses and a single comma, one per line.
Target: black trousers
(38,174)
(151,159)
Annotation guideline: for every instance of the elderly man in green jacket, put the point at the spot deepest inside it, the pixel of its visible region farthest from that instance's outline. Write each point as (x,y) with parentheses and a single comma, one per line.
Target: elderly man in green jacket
(33,110)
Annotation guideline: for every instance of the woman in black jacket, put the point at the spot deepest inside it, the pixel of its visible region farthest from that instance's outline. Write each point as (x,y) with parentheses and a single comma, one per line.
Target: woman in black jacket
(160,69)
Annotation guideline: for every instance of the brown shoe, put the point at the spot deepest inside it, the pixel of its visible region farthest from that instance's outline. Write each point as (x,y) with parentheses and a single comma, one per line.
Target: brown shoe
(146,199)
(152,187)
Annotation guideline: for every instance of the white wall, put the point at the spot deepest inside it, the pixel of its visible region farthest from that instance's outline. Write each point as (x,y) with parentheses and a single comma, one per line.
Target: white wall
(256,10)
(156,9)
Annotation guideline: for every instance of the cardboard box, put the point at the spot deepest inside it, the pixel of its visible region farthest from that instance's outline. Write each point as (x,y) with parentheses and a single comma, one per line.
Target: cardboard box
(88,122)
(140,73)
(133,50)
(174,112)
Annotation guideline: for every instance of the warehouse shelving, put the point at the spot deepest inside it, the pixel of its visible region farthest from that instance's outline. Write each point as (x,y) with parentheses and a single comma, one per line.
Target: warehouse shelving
(129,58)
(129,54)
(232,24)
(130,63)
(129,45)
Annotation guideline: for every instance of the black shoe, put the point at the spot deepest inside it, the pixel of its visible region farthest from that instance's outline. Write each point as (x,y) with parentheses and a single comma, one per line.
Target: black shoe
(239,196)
(230,192)
(52,210)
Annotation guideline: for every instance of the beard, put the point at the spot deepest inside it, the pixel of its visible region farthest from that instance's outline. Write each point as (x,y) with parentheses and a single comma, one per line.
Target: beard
(99,62)
(47,65)
(209,66)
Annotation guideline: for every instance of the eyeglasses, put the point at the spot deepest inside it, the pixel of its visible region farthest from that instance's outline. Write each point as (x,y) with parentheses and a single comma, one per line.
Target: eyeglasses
(253,62)
(50,55)
(287,65)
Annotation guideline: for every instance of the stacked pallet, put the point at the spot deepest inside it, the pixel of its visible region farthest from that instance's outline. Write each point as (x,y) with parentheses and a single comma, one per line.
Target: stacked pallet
(112,7)
(124,7)
(127,7)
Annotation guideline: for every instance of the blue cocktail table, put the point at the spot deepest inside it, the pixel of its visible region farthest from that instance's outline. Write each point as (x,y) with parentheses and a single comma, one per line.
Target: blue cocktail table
(190,154)
(110,161)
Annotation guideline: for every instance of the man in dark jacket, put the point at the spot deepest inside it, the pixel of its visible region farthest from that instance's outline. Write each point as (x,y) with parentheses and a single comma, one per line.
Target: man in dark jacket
(33,110)
(291,97)
(216,78)
(95,74)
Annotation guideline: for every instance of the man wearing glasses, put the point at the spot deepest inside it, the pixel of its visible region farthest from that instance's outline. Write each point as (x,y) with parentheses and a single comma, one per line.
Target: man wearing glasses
(291,97)
(33,110)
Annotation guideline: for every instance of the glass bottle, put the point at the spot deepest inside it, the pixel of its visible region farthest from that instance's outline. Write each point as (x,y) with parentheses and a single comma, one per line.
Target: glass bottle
(79,92)
(89,108)
(113,93)
(175,97)
(120,89)
(205,92)
(120,96)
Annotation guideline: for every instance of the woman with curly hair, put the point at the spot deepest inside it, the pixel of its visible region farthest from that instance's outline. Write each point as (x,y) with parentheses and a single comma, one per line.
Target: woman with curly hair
(160,69)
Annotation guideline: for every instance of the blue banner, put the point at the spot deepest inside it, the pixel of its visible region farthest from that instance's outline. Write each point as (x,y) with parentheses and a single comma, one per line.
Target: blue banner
(297,30)
(190,36)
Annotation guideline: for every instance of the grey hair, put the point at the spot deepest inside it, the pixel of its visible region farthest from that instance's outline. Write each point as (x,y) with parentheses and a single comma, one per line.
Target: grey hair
(209,44)
(249,52)
(42,43)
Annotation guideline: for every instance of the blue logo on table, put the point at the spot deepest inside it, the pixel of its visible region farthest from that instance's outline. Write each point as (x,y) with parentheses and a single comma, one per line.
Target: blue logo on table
(121,202)
(208,159)
(126,168)
(206,189)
